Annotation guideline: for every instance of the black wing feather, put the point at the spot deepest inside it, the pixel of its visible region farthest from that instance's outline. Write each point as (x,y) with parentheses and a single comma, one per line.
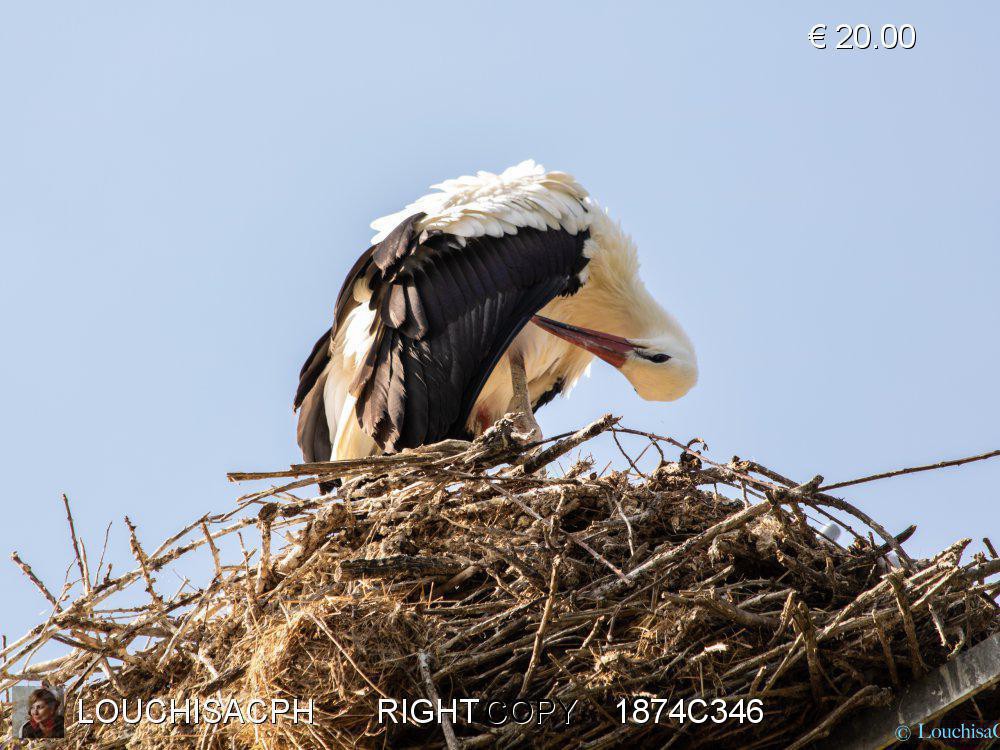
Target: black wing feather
(464,307)
(312,369)
(445,314)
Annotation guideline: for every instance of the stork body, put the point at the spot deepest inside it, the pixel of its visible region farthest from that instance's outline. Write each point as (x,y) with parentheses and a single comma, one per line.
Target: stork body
(492,295)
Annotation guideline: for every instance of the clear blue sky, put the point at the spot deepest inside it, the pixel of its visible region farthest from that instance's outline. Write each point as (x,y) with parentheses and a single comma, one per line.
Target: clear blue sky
(183,186)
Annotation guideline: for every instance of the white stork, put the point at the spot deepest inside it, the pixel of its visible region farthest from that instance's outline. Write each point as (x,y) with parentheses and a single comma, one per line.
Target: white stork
(431,336)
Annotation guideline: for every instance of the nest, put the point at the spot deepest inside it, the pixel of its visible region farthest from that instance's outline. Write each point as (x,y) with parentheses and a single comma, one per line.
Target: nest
(476,570)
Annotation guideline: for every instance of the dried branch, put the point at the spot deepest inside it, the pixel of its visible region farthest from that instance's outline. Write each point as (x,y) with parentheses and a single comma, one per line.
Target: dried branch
(671,584)
(911,470)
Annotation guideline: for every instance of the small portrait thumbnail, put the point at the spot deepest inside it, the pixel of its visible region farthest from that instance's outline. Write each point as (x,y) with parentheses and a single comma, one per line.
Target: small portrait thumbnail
(38,712)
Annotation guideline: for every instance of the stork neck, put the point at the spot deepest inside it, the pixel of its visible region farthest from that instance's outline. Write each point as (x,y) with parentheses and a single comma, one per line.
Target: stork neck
(628,311)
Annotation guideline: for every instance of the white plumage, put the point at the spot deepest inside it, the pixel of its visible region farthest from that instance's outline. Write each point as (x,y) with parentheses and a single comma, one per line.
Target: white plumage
(524,195)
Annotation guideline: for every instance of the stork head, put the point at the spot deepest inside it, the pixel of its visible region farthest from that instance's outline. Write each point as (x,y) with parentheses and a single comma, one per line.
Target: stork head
(661,367)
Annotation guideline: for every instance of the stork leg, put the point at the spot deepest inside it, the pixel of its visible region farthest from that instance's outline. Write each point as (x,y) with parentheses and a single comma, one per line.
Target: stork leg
(520,403)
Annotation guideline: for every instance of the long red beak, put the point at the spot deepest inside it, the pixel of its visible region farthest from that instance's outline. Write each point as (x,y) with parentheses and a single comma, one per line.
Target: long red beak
(612,349)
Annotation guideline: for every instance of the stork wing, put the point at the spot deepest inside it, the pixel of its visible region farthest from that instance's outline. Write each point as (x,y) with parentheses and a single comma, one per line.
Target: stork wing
(446,311)
(313,432)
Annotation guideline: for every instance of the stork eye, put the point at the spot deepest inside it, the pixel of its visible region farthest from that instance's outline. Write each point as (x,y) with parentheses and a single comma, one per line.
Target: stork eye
(657,358)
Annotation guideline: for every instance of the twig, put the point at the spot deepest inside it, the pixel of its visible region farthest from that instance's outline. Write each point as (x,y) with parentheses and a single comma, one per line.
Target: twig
(865,695)
(408,565)
(264,518)
(911,470)
(104,550)
(732,612)
(890,660)
(432,694)
(808,632)
(143,561)
(904,559)
(614,435)
(909,627)
(211,546)
(562,447)
(78,552)
(26,569)
(536,649)
(990,547)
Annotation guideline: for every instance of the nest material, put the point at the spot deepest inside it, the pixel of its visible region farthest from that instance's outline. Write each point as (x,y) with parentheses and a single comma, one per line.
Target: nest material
(466,571)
